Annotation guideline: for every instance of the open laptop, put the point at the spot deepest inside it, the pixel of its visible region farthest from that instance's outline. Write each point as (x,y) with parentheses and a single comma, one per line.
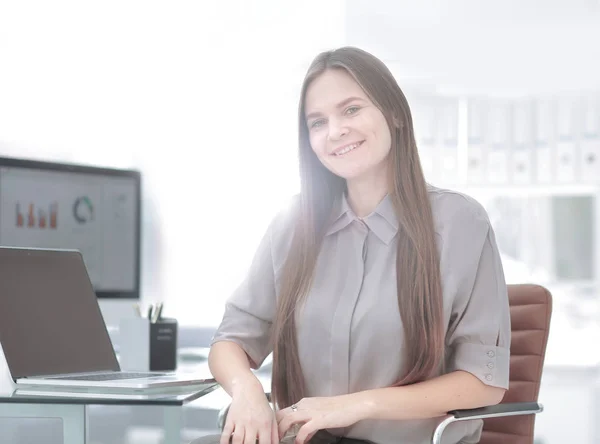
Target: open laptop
(52,331)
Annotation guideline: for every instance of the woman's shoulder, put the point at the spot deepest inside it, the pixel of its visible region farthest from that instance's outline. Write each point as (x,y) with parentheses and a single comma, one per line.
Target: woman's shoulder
(285,216)
(281,227)
(454,210)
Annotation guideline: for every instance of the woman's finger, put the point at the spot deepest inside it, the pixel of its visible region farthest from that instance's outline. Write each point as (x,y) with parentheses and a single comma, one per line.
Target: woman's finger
(238,435)
(306,432)
(310,436)
(280,414)
(250,436)
(226,434)
(291,419)
(264,435)
(274,433)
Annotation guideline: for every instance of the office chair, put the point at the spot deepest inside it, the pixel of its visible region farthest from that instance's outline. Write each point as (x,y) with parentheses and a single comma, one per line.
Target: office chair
(512,421)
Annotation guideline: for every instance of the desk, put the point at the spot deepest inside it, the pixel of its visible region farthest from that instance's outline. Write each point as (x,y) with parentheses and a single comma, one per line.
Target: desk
(71,408)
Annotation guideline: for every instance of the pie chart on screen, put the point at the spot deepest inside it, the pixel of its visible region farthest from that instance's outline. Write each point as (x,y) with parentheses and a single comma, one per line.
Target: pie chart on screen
(83,210)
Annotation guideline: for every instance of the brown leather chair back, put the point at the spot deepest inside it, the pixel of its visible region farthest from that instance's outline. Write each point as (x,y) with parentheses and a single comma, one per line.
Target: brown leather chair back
(530,311)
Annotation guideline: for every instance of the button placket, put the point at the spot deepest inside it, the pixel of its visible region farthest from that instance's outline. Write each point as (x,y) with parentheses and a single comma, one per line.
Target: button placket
(342,324)
(490,365)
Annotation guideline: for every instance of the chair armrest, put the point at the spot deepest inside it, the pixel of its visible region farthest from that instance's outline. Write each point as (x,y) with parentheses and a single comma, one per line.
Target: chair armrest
(493,411)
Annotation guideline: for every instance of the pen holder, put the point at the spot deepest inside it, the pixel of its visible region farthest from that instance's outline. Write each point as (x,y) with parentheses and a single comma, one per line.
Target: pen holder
(147,346)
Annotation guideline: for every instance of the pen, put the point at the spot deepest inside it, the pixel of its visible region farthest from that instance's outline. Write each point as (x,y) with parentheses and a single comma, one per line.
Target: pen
(150,310)
(137,309)
(157,312)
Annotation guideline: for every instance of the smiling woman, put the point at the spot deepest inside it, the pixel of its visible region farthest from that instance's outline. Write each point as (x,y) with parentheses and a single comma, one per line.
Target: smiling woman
(382,298)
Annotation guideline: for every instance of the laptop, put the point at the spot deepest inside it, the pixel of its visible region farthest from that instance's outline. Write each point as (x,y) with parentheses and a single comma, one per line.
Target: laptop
(52,331)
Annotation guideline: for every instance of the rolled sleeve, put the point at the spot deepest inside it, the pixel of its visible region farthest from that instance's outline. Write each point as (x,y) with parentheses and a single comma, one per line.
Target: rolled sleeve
(250,310)
(479,334)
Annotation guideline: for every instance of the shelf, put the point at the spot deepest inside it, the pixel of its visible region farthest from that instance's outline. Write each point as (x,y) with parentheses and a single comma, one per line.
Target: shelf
(524,190)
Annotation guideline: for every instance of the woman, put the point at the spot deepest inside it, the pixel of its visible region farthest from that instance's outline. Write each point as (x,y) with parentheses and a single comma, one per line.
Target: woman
(382,298)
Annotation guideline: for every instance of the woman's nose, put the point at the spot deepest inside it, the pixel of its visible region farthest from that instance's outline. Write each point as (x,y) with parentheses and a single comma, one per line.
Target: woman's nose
(337,130)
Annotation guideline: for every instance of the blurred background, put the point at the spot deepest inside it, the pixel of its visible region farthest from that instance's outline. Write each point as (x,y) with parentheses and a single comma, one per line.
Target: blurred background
(202,98)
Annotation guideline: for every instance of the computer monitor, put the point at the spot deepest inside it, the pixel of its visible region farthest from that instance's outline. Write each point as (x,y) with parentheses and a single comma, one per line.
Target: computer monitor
(95,210)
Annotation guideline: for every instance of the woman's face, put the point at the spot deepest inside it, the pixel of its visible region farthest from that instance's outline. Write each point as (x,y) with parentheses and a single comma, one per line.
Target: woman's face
(347,132)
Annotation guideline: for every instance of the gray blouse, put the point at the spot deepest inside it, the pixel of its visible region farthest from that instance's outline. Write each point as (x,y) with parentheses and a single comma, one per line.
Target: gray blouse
(350,335)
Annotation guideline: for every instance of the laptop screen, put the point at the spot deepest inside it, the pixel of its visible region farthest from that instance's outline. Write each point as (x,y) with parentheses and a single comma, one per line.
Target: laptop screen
(50,321)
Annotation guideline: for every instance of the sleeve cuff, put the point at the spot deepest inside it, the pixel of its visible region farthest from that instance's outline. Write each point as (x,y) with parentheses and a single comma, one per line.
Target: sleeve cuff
(490,364)
(256,358)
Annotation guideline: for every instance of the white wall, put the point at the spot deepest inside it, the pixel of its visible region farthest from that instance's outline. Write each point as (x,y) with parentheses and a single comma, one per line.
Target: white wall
(507,48)
(202,96)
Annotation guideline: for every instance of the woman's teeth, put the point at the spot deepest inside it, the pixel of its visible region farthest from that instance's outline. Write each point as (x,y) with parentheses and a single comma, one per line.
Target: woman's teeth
(348,149)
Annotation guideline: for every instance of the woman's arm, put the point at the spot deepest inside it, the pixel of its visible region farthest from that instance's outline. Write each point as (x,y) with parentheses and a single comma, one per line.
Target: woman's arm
(428,399)
(230,366)
(431,398)
(250,419)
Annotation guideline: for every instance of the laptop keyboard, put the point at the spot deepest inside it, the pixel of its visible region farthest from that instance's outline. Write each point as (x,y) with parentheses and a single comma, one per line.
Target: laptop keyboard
(110,376)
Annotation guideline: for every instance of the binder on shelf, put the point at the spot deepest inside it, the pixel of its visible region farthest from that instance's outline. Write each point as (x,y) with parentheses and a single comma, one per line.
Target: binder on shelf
(476,148)
(590,143)
(544,141)
(448,141)
(565,160)
(590,159)
(498,126)
(566,144)
(425,131)
(522,155)
(427,156)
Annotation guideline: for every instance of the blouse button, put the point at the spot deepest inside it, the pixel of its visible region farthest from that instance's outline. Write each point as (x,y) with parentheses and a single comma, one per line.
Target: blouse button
(488,377)
(490,365)
(491,354)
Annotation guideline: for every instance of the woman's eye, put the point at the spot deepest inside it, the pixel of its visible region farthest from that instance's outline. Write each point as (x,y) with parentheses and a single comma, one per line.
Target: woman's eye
(317,123)
(352,110)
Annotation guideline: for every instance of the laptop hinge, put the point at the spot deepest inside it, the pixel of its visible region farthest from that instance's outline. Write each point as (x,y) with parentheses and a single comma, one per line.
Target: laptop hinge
(68,375)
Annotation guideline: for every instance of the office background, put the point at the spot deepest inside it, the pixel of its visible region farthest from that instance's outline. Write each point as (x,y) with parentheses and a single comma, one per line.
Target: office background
(202,98)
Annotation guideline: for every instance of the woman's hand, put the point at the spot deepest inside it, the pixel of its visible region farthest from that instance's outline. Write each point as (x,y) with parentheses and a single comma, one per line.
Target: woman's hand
(250,419)
(319,413)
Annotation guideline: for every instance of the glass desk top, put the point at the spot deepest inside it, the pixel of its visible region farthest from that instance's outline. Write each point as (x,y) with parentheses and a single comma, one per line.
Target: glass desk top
(171,397)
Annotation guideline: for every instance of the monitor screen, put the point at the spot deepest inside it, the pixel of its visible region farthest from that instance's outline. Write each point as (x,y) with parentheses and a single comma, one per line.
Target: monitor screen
(93,210)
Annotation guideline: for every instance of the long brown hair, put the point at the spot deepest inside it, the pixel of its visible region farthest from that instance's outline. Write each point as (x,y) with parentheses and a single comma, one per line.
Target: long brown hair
(417,262)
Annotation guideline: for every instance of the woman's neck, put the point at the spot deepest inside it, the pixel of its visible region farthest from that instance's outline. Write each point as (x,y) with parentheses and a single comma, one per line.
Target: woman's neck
(364,196)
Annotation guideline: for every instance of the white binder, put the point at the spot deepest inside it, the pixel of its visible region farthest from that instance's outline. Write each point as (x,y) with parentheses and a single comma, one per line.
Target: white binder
(522,158)
(498,125)
(544,140)
(566,145)
(476,147)
(425,135)
(448,141)
(427,155)
(566,157)
(590,144)
(590,160)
